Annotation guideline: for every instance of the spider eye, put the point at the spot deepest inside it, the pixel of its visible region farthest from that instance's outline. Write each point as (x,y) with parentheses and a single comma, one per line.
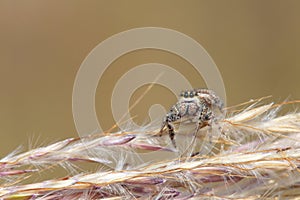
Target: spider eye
(192,94)
(186,94)
(181,94)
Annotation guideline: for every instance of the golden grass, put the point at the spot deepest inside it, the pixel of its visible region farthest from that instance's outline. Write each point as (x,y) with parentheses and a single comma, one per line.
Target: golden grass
(253,153)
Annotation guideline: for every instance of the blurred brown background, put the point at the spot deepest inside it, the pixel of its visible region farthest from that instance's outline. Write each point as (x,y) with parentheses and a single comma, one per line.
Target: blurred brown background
(255,44)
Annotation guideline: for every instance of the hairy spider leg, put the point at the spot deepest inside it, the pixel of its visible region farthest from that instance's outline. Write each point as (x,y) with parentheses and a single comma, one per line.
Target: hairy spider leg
(167,122)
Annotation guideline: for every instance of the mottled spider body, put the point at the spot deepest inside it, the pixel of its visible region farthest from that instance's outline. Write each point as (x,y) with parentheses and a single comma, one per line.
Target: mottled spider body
(195,105)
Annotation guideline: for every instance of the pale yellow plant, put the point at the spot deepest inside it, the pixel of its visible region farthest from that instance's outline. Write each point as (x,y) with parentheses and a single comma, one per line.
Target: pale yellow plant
(253,153)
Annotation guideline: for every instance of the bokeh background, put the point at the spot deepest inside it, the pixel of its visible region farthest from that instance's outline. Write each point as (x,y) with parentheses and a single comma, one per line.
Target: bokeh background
(254,43)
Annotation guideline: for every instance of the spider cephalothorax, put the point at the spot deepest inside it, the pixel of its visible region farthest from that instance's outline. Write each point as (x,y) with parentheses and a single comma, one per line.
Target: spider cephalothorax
(196,105)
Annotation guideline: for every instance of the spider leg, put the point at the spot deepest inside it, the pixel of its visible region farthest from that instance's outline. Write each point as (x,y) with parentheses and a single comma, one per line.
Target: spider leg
(204,119)
(162,128)
(171,117)
(172,134)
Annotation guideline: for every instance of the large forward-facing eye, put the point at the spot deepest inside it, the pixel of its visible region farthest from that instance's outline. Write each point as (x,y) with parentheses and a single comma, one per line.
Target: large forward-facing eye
(186,94)
(192,94)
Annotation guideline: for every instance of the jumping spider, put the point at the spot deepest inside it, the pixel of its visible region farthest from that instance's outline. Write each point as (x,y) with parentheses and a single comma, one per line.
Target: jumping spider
(197,105)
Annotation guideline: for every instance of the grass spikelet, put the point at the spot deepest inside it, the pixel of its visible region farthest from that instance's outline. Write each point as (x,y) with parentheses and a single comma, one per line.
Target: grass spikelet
(253,153)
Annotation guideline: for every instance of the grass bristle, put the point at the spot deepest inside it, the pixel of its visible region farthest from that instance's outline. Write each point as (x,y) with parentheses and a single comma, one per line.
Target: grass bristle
(253,153)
